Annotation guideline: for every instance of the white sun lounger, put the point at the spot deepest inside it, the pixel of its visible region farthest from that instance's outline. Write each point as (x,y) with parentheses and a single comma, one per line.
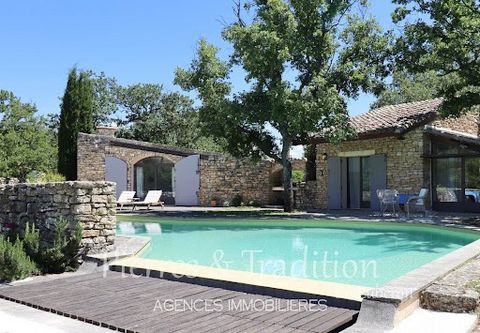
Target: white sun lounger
(125,198)
(152,199)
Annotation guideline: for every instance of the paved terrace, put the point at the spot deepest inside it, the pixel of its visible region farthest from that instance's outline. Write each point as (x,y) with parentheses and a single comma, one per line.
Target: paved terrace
(126,303)
(432,217)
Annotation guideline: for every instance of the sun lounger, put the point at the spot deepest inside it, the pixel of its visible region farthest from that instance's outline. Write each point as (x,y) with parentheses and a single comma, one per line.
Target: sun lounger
(152,199)
(125,198)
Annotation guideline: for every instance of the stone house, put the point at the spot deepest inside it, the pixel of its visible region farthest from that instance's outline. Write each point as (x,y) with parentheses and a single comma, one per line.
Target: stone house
(404,147)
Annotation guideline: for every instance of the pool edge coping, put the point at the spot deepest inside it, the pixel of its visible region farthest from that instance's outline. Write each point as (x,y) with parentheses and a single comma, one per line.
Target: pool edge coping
(289,284)
(386,306)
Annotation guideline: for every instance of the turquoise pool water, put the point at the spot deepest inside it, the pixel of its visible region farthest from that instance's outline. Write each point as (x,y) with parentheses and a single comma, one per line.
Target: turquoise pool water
(358,253)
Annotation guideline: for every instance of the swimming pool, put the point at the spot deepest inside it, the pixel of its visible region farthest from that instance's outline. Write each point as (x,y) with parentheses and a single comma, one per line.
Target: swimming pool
(366,254)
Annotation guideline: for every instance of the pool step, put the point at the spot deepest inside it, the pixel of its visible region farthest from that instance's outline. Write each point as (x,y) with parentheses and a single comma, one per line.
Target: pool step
(456,292)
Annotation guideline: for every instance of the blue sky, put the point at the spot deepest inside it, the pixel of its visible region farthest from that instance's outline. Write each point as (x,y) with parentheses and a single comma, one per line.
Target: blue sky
(134,41)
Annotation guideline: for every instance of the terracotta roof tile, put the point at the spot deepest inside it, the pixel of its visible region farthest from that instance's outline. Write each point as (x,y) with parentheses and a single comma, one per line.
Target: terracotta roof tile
(394,119)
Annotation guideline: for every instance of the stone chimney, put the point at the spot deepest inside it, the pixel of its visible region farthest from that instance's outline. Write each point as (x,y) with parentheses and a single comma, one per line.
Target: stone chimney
(107,130)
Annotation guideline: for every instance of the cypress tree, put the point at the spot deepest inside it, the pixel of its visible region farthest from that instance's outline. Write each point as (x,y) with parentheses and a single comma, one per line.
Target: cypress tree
(76,116)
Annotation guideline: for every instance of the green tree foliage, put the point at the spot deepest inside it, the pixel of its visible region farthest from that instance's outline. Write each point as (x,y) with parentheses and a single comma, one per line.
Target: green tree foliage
(407,87)
(443,36)
(26,143)
(105,98)
(302,59)
(76,116)
(153,115)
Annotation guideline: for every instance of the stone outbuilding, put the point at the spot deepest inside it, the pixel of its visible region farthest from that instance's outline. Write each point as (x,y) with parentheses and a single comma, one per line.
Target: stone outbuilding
(404,147)
(186,177)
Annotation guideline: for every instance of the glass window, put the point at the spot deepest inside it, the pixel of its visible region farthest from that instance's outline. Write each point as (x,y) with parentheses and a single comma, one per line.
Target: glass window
(472,180)
(443,148)
(448,179)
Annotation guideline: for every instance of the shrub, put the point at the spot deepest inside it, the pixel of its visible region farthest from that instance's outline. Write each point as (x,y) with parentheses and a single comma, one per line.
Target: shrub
(58,257)
(15,264)
(45,177)
(298,176)
(237,201)
(62,255)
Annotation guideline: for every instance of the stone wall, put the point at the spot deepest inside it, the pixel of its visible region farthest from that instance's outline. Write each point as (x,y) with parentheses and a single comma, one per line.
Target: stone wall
(8,181)
(225,177)
(90,204)
(306,195)
(406,170)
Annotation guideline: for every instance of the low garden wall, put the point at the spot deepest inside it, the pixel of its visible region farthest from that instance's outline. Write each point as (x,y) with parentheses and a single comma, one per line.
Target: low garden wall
(90,204)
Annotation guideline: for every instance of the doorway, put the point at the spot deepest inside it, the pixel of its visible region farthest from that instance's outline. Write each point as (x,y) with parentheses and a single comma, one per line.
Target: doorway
(353,181)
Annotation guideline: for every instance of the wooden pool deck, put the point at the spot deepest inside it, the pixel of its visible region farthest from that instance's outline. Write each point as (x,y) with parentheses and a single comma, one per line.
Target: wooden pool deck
(126,303)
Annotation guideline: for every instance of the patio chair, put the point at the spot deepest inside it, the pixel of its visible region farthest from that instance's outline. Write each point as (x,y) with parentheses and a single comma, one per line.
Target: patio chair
(152,199)
(125,198)
(418,203)
(388,199)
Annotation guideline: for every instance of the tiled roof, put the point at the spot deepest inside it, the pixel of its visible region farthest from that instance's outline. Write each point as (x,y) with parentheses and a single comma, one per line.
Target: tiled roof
(395,119)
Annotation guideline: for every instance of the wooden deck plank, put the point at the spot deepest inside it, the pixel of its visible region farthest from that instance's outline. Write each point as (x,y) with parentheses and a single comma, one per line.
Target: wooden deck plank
(124,302)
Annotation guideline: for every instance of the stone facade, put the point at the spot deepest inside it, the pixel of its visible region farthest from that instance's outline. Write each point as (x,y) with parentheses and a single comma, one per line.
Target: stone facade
(224,178)
(406,170)
(306,195)
(90,204)
(220,175)
(92,150)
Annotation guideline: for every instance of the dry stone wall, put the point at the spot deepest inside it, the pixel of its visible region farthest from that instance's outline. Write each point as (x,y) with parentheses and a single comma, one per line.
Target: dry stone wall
(224,178)
(306,195)
(90,204)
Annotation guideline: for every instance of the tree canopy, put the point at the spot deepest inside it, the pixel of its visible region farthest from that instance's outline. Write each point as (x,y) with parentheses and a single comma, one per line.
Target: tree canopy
(443,36)
(406,87)
(302,59)
(76,116)
(153,115)
(26,143)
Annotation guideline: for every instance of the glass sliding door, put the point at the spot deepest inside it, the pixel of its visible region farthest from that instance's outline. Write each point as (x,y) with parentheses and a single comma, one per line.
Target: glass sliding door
(358,182)
(354,182)
(448,179)
(472,180)
(366,182)
(456,184)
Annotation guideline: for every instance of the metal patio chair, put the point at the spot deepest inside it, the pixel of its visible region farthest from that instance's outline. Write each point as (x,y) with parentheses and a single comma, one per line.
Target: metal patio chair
(388,200)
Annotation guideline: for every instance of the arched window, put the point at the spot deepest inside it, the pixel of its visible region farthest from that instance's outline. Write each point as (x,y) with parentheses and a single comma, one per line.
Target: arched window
(154,173)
